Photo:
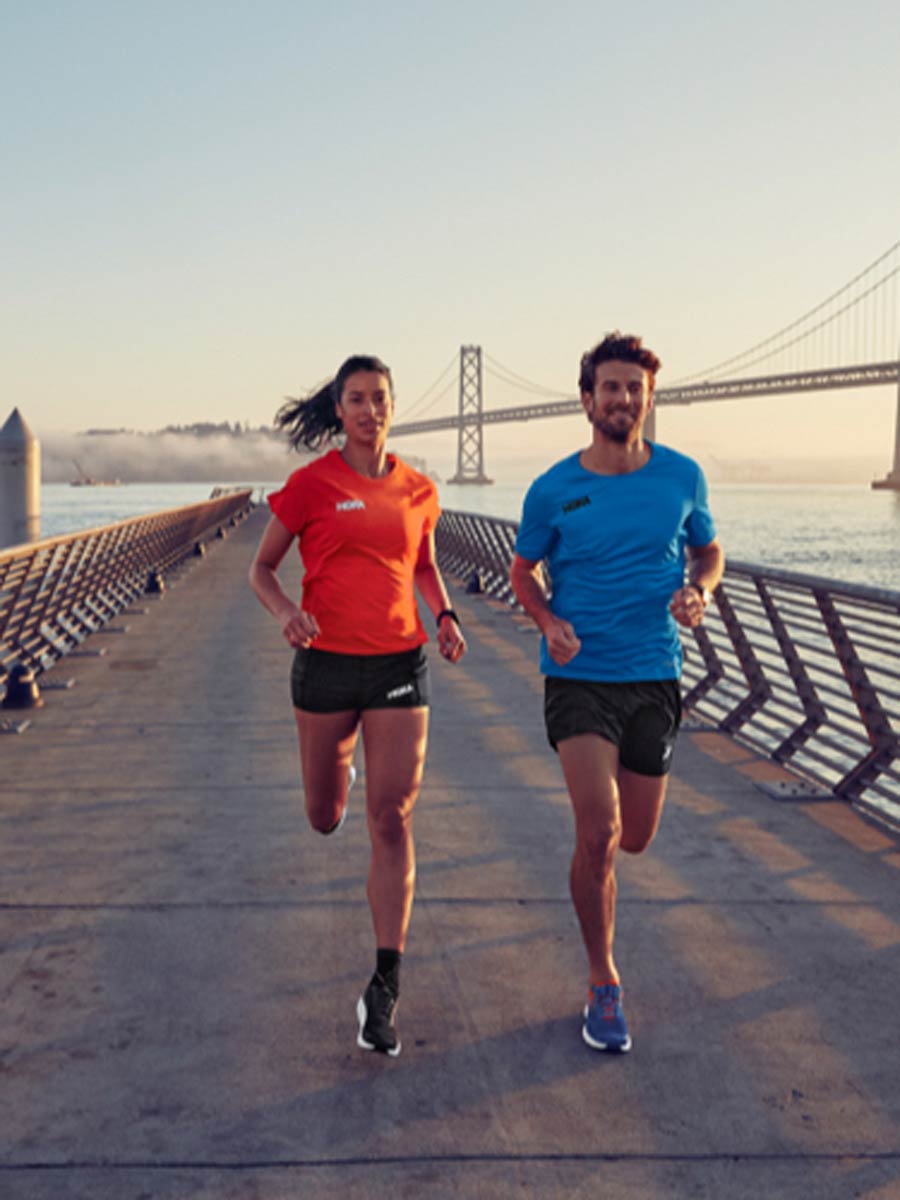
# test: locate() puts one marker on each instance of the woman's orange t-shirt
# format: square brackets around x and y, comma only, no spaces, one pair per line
[359,539]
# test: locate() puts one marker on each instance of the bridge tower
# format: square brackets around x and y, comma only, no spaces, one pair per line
[892,479]
[470,444]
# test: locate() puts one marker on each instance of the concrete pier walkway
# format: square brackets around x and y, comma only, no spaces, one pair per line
[180,955]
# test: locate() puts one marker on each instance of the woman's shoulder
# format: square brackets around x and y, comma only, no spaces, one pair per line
[321,467]
[411,477]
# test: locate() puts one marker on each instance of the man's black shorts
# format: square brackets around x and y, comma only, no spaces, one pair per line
[642,719]
[324,682]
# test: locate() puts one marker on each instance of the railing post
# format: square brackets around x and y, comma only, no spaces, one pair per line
[714,669]
[759,689]
[22,689]
[813,709]
[883,740]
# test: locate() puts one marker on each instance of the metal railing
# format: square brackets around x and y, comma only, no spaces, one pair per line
[55,593]
[803,669]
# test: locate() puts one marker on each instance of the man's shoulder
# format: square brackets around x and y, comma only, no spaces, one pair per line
[674,460]
[559,474]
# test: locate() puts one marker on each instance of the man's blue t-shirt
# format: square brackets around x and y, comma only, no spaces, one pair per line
[616,550]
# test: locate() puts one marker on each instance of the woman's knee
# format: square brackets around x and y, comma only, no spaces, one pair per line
[391,823]
[323,817]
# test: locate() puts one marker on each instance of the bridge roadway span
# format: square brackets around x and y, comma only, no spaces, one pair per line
[180,955]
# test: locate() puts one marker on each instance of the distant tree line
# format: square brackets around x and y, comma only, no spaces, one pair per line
[201,429]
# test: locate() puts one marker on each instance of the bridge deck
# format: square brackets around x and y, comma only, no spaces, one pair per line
[180,955]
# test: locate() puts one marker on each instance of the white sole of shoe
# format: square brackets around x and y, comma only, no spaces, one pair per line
[362,1014]
[613,1048]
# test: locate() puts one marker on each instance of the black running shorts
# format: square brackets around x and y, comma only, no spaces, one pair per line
[642,719]
[324,682]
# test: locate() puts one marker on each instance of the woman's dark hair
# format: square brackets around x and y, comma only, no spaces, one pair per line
[313,420]
[618,347]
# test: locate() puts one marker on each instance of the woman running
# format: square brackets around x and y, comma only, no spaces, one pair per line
[365,525]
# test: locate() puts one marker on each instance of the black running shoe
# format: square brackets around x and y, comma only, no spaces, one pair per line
[375,1010]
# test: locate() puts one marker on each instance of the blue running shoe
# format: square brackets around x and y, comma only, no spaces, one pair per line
[604,1021]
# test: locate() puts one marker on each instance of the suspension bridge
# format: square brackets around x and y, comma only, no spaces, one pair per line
[851,339]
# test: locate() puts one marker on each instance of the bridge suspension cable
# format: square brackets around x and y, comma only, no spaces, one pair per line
[507,375]
[451,366]
[851,340]
[871,333]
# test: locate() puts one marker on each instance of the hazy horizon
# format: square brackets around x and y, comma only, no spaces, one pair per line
[201,224]
[178,457]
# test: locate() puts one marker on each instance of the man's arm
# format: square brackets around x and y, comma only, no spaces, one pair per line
[527,580]
[706,565]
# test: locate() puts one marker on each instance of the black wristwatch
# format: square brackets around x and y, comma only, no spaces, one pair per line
[704,593]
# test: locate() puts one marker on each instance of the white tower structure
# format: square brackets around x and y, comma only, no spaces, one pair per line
[20,483]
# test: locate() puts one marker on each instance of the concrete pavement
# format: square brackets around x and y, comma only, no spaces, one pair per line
[180,955]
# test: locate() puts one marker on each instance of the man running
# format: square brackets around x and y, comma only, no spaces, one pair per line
[618,523]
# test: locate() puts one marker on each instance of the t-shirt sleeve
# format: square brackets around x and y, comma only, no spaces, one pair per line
[536,534]
[432,511]
[290,504]
[701,528]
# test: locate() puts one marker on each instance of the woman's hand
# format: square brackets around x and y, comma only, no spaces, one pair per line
[451,642]
[300,629]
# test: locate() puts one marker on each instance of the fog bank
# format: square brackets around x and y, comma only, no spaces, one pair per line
[167,457]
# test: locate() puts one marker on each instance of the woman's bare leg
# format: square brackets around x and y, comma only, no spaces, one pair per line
[326,750]
[395,740]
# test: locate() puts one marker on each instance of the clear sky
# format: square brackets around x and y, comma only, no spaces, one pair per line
[208,204]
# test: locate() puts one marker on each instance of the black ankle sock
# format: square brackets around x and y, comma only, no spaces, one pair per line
[388,967]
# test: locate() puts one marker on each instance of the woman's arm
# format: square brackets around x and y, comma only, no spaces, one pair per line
[298,627]
[430,584]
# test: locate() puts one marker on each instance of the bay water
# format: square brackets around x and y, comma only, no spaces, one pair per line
[837,531]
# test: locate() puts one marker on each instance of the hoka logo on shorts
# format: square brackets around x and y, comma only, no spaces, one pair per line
[397,692]
[346,505]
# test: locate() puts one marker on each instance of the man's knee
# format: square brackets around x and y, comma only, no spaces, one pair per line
[636,841]
[599,841]
[639,829]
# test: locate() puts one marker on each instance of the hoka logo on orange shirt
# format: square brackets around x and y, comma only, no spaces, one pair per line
[345,505]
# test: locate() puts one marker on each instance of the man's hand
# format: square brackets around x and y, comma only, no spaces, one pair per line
[687,606]
[562,641]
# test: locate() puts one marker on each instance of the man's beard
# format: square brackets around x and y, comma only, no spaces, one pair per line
[615,432]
